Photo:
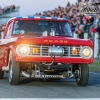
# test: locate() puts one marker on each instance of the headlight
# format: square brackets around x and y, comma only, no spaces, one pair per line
[86,52]
[23,50]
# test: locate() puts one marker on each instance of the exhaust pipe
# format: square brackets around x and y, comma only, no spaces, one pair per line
[25,74]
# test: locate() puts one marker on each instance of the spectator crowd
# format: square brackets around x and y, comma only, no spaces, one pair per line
[6,9]
[79,21]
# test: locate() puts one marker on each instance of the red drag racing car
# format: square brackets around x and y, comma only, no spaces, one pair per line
[43,47]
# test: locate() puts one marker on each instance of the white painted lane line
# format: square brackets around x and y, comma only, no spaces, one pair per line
[67,99]
[95,73]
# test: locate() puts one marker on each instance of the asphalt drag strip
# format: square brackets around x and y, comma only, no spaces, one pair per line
[39,88]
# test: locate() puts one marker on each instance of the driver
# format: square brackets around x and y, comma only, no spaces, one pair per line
[55,29]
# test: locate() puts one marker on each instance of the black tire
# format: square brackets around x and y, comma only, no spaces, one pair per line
[1,74]
[82,78]
[14,72]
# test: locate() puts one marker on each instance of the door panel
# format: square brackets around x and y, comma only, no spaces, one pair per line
[4,47]
[3,57]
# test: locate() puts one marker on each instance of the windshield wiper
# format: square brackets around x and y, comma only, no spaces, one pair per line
[62,35]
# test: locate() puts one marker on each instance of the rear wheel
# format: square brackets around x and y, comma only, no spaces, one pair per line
[1,74]
[82,74]
[14,72]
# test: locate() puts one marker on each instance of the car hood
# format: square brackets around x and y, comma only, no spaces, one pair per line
[52,40]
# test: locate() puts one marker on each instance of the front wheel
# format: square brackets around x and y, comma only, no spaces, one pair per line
[14,72]
[82,74]
[1,74]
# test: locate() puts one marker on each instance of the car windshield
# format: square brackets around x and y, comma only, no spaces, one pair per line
[39,27]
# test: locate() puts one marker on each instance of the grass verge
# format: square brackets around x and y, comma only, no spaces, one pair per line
[95,67]
[96,63]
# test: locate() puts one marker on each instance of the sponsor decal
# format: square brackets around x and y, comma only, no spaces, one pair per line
[89,10]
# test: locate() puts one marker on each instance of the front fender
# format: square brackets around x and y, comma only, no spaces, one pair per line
[12,52]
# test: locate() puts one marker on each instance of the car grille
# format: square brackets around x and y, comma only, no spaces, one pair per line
[43,50]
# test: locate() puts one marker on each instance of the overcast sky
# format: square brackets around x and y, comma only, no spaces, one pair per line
[30,7]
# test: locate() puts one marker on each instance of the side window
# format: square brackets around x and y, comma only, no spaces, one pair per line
[9,30]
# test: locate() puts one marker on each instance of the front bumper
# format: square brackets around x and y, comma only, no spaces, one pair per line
[56,60]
